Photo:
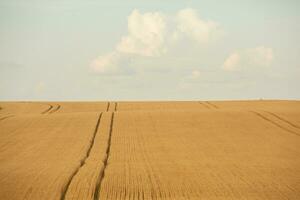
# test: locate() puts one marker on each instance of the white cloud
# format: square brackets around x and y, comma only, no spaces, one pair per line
[260,56]
[109,63]
[146,34]
[232,62]
[150,34]
[190,24]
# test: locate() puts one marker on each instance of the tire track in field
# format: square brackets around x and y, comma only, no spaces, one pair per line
[102,172]
[82,161]
[212,105]
[206,106]
[55,109]
[3,118]
[274,123]
[284,120]
[47,110]
[116,106]
[108,105]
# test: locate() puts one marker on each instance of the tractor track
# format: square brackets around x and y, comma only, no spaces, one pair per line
[82,161]
[116,106]
[47,110]
[274,123]
[3,118]
[108,105]
[212,105]
[284,120]
[102,172]
[206,106]
[55,109]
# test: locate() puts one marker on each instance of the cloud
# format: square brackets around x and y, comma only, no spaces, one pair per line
[111,63]
[260,56]
[146,34]
[190,24]
[232,62]
[151,34]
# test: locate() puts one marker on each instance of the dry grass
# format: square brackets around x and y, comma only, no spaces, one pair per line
[150,150]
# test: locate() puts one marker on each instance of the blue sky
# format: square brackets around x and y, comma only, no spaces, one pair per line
[149,50]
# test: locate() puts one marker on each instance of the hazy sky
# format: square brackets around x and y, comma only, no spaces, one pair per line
[149,50]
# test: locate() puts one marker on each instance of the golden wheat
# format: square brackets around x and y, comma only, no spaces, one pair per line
[150,150]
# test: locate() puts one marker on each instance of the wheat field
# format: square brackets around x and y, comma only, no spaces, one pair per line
[150,150]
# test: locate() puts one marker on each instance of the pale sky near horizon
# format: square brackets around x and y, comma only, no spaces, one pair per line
[149,50]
